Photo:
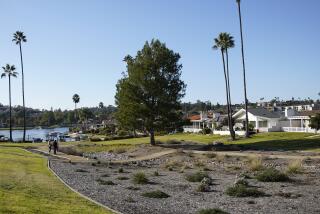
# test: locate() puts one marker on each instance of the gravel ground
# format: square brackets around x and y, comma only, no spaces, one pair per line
[184,199]
[106,156]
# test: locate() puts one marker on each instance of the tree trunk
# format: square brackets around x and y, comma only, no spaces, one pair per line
[152,140]
[244,73]
[10,120]
[226,83]
[23,100]
[233,137]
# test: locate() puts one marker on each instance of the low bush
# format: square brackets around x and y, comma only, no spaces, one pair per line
[95,139]
[295,167]
[272,175]
[122,178]
[240,190]
[173,141]
[103,182]
[133,188]
[212,211]
[81,170]
[255,164]
[211,155]
[120,170]
[120,150]
[70,150]
[197,176]
[156,173]
[140,178]
[155,194]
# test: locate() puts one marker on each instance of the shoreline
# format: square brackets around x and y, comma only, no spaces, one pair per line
[30,128]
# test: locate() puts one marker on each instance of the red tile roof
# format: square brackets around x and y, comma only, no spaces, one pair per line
[194,117]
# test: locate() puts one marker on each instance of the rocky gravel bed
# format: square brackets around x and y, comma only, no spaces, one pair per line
[301,195]
[108,156]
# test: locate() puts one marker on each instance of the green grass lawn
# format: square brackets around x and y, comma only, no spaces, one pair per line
[27,186]
[263,141]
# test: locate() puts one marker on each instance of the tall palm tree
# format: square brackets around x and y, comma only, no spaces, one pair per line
[18,38]
[244,71]
[76,99]
[9,71]
[229,43]
[223,42]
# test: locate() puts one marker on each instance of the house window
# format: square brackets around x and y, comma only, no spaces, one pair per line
[263,124]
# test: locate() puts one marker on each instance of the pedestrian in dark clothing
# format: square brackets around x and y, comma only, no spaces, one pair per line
[50,145]
[55,146]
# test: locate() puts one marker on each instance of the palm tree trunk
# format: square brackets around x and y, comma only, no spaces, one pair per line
[10,120]
[23,100]
[244,73]
[229,94]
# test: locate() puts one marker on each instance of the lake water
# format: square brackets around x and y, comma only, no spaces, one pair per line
[32,133]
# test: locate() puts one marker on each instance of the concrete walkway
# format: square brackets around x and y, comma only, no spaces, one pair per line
[44,150]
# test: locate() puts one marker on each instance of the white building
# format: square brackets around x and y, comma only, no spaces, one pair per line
[261,119]
[265,121]
[201,121]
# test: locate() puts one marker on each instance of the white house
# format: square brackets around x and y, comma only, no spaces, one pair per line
[267,121]
[261,119]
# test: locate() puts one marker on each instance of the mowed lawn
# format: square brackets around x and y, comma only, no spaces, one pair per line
[263,141]
[27,186]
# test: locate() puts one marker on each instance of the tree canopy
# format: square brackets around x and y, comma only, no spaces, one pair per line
[315,122]
[149,93]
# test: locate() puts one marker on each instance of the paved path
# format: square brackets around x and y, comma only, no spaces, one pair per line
[73,158]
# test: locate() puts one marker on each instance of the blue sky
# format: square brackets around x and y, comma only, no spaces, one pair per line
[77,46]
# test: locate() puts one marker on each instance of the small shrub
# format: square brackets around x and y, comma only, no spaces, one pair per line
[105,175]
[156,173]
[211,155]
[155,194]
[244,175]
[123,178]
[205,168]
[119,150]
[120,170]
[140,178]
[172,164]
[255,164]
[95,139]
[212,211]
[170,168]
[93,164]
[294,167]
[204,186]
[81,170]
[199,164]
[272,175]
[133,188]
[130,200]
[241,181]
[173,141]
[103,182]
[196,177]
[240,190]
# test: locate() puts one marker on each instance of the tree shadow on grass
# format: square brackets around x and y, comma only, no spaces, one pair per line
[283,145]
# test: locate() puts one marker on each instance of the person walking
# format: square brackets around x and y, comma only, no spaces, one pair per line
[49,145]
[55,147]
